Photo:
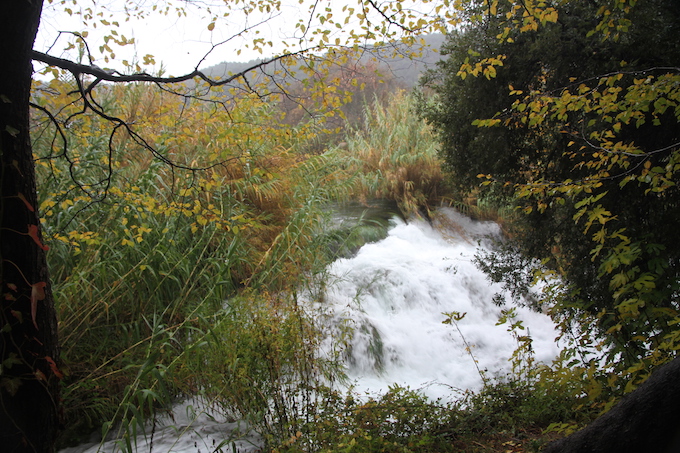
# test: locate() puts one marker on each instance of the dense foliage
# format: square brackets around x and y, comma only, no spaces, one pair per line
[173,282]
[569,112]
[184,222]
[144,255]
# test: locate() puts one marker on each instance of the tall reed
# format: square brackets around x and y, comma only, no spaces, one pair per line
[396,156]
[144,255]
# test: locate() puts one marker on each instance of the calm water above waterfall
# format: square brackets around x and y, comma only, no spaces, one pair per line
[393,293]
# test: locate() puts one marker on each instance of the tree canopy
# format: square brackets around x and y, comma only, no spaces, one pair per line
[572,117]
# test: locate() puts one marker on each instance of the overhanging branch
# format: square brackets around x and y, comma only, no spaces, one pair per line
[111,76]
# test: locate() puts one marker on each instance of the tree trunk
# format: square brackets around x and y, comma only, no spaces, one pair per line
[29,378]
[646,420]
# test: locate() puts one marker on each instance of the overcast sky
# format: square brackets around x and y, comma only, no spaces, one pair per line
[180,44]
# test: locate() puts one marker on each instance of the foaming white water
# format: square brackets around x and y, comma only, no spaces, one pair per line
[189,429]
[394,293]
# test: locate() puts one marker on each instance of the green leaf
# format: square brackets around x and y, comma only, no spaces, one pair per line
[11,385]
[12,131]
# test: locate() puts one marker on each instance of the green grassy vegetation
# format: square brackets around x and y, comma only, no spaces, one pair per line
[174,283]
[146,257]
[511,414]
[396,157]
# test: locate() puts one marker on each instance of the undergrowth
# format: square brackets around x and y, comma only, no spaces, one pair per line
[506,415]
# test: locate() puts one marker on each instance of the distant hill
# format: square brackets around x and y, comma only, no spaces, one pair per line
[404,70]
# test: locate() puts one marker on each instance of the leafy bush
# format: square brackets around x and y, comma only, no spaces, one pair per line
[401,420]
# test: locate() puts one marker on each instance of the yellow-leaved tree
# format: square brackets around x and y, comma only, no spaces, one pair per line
[74,107]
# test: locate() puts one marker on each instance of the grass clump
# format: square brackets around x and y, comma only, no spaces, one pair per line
[395,156]
[400,420]
[270,370]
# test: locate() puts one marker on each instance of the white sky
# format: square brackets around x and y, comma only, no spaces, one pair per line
[180,44]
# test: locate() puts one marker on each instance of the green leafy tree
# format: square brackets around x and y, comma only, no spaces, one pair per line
[569,110]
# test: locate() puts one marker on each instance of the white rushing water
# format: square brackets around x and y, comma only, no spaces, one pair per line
[187,430]
[393,293]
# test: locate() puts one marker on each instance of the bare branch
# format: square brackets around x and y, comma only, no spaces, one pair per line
[388,19]
[78,69]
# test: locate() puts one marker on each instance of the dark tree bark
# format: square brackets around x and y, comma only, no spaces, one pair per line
[29,378]
[646,420]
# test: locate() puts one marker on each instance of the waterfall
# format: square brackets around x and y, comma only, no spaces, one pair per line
[394,293]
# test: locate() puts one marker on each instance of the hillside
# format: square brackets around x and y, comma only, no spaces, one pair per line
[390,61]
